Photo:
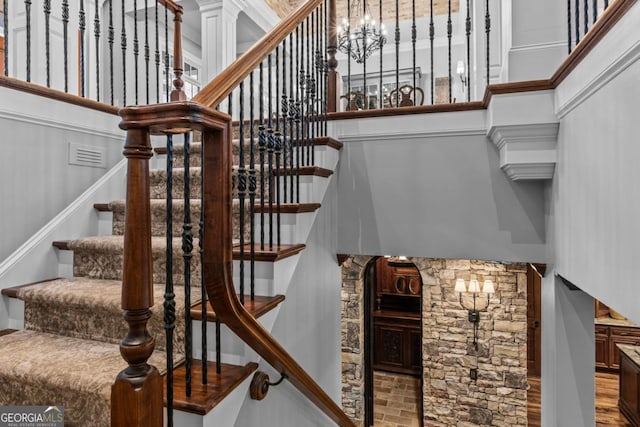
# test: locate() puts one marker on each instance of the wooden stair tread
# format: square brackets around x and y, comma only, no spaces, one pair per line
[308,171]
[12,292]
[205,397]
[270,255]
[4,332]
[289,207]
[258,307]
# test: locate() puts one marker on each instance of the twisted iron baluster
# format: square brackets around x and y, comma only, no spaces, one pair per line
[270,148]
[380,85]
[277,147]
[111,38]
[147,50]
[82,26]
[309,82]
[577,19]
[397,36]
[169,295]
[285,111]
[569,26]
[5,10]
[487,26]
[302,81]
[468,33]
[606,4]
[325,65]
[586,16]
[595,10]
[242,189]
[136,49]
[298,112]
[449,35]
[96,33]
[252,187]
[47,40]
[65,39]
[187,249]
[166,54]
[292,116]
[348,56]
[432,35]
[27,9]
[123,48]
[262,145]
[157,55]
[414,35]
[203,289]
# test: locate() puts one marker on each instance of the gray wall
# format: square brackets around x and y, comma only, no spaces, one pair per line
[438,194]
[37,179]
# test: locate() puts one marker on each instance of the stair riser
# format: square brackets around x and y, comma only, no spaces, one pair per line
[97,264]
[159,186]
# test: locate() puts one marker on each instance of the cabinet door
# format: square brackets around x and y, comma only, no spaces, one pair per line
[389,346]
[614,353]
[415,350]
[602,351]
[629,388]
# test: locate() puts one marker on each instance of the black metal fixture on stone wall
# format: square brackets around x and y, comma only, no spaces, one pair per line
[474,309]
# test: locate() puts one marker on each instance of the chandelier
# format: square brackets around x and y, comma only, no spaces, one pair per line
[358,36]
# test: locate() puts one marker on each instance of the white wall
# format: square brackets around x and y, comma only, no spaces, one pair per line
[595,198]
[431,186]
[38,181]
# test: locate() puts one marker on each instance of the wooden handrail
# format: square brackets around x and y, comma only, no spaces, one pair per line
[171,5]
[220,87]
[217,240]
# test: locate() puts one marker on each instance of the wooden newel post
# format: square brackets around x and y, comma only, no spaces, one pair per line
[332,48]
[177,94]
[136,396]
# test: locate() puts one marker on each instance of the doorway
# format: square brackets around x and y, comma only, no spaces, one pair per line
[393,342]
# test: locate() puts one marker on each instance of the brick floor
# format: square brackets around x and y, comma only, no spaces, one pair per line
[396,400]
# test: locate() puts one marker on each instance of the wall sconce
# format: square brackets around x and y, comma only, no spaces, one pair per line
[461,71]
[474,310]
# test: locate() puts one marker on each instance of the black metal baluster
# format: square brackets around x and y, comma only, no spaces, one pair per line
[325,66]
[203,289]
[348,26]
[298,112]
[414,36]
[96,33]
[47,16]
[157,55]
[252,187]
[123,48]
[317,59]
[487,27]
[308,88]
[586,16]
[577,19]
[285,111]
[380,85]
[262,146]
[302,81]
[277,149]
[468,33]
[187,249]
[147,52]
[111,38]
[397,39]
[365,91]
[606,4]
[169,295]
[292,116]
[27,10]
[65,40]
[242,188]
[82,26]
[5,11]
[166,54]
[270,148]
[595,10]
[449,35]
[569,25]
[432,35]
[136,49]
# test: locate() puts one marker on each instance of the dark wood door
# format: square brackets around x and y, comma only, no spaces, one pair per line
[534,284]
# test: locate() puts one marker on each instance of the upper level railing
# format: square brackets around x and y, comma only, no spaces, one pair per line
[117,51]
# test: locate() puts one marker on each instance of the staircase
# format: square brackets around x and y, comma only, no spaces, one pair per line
[68,352]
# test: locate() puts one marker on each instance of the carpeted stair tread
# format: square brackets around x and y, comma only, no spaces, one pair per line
[91,309]
[158,217]
[38,369]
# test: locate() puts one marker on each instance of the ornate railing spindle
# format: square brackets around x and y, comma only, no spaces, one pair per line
[187,249]
[414,36]
[242,189]
[487,28]
[432,34]
[569,25]
[47,15]
[27,10]
[169,295]
[285,111]
[278,151]
[82,26]
[449,35]
[270,148]
[123,48]
[96,34]
[397,40]
[147,51]
[136,49]
[468,65]
[262,146]
[110,39]
[253,183]
[157,54]
[5,11]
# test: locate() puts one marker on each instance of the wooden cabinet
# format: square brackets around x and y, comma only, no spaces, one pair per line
[606,340]
[397,318]
[629,402]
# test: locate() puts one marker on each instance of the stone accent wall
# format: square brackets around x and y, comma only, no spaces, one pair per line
[498,397]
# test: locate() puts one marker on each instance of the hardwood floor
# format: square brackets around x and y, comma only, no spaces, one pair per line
[607,413]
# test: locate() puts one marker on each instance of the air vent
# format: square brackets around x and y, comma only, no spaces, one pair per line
[87,156]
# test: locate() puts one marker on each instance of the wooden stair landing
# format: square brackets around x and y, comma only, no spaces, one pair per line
[205,397]
[260,306]
[267,254]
